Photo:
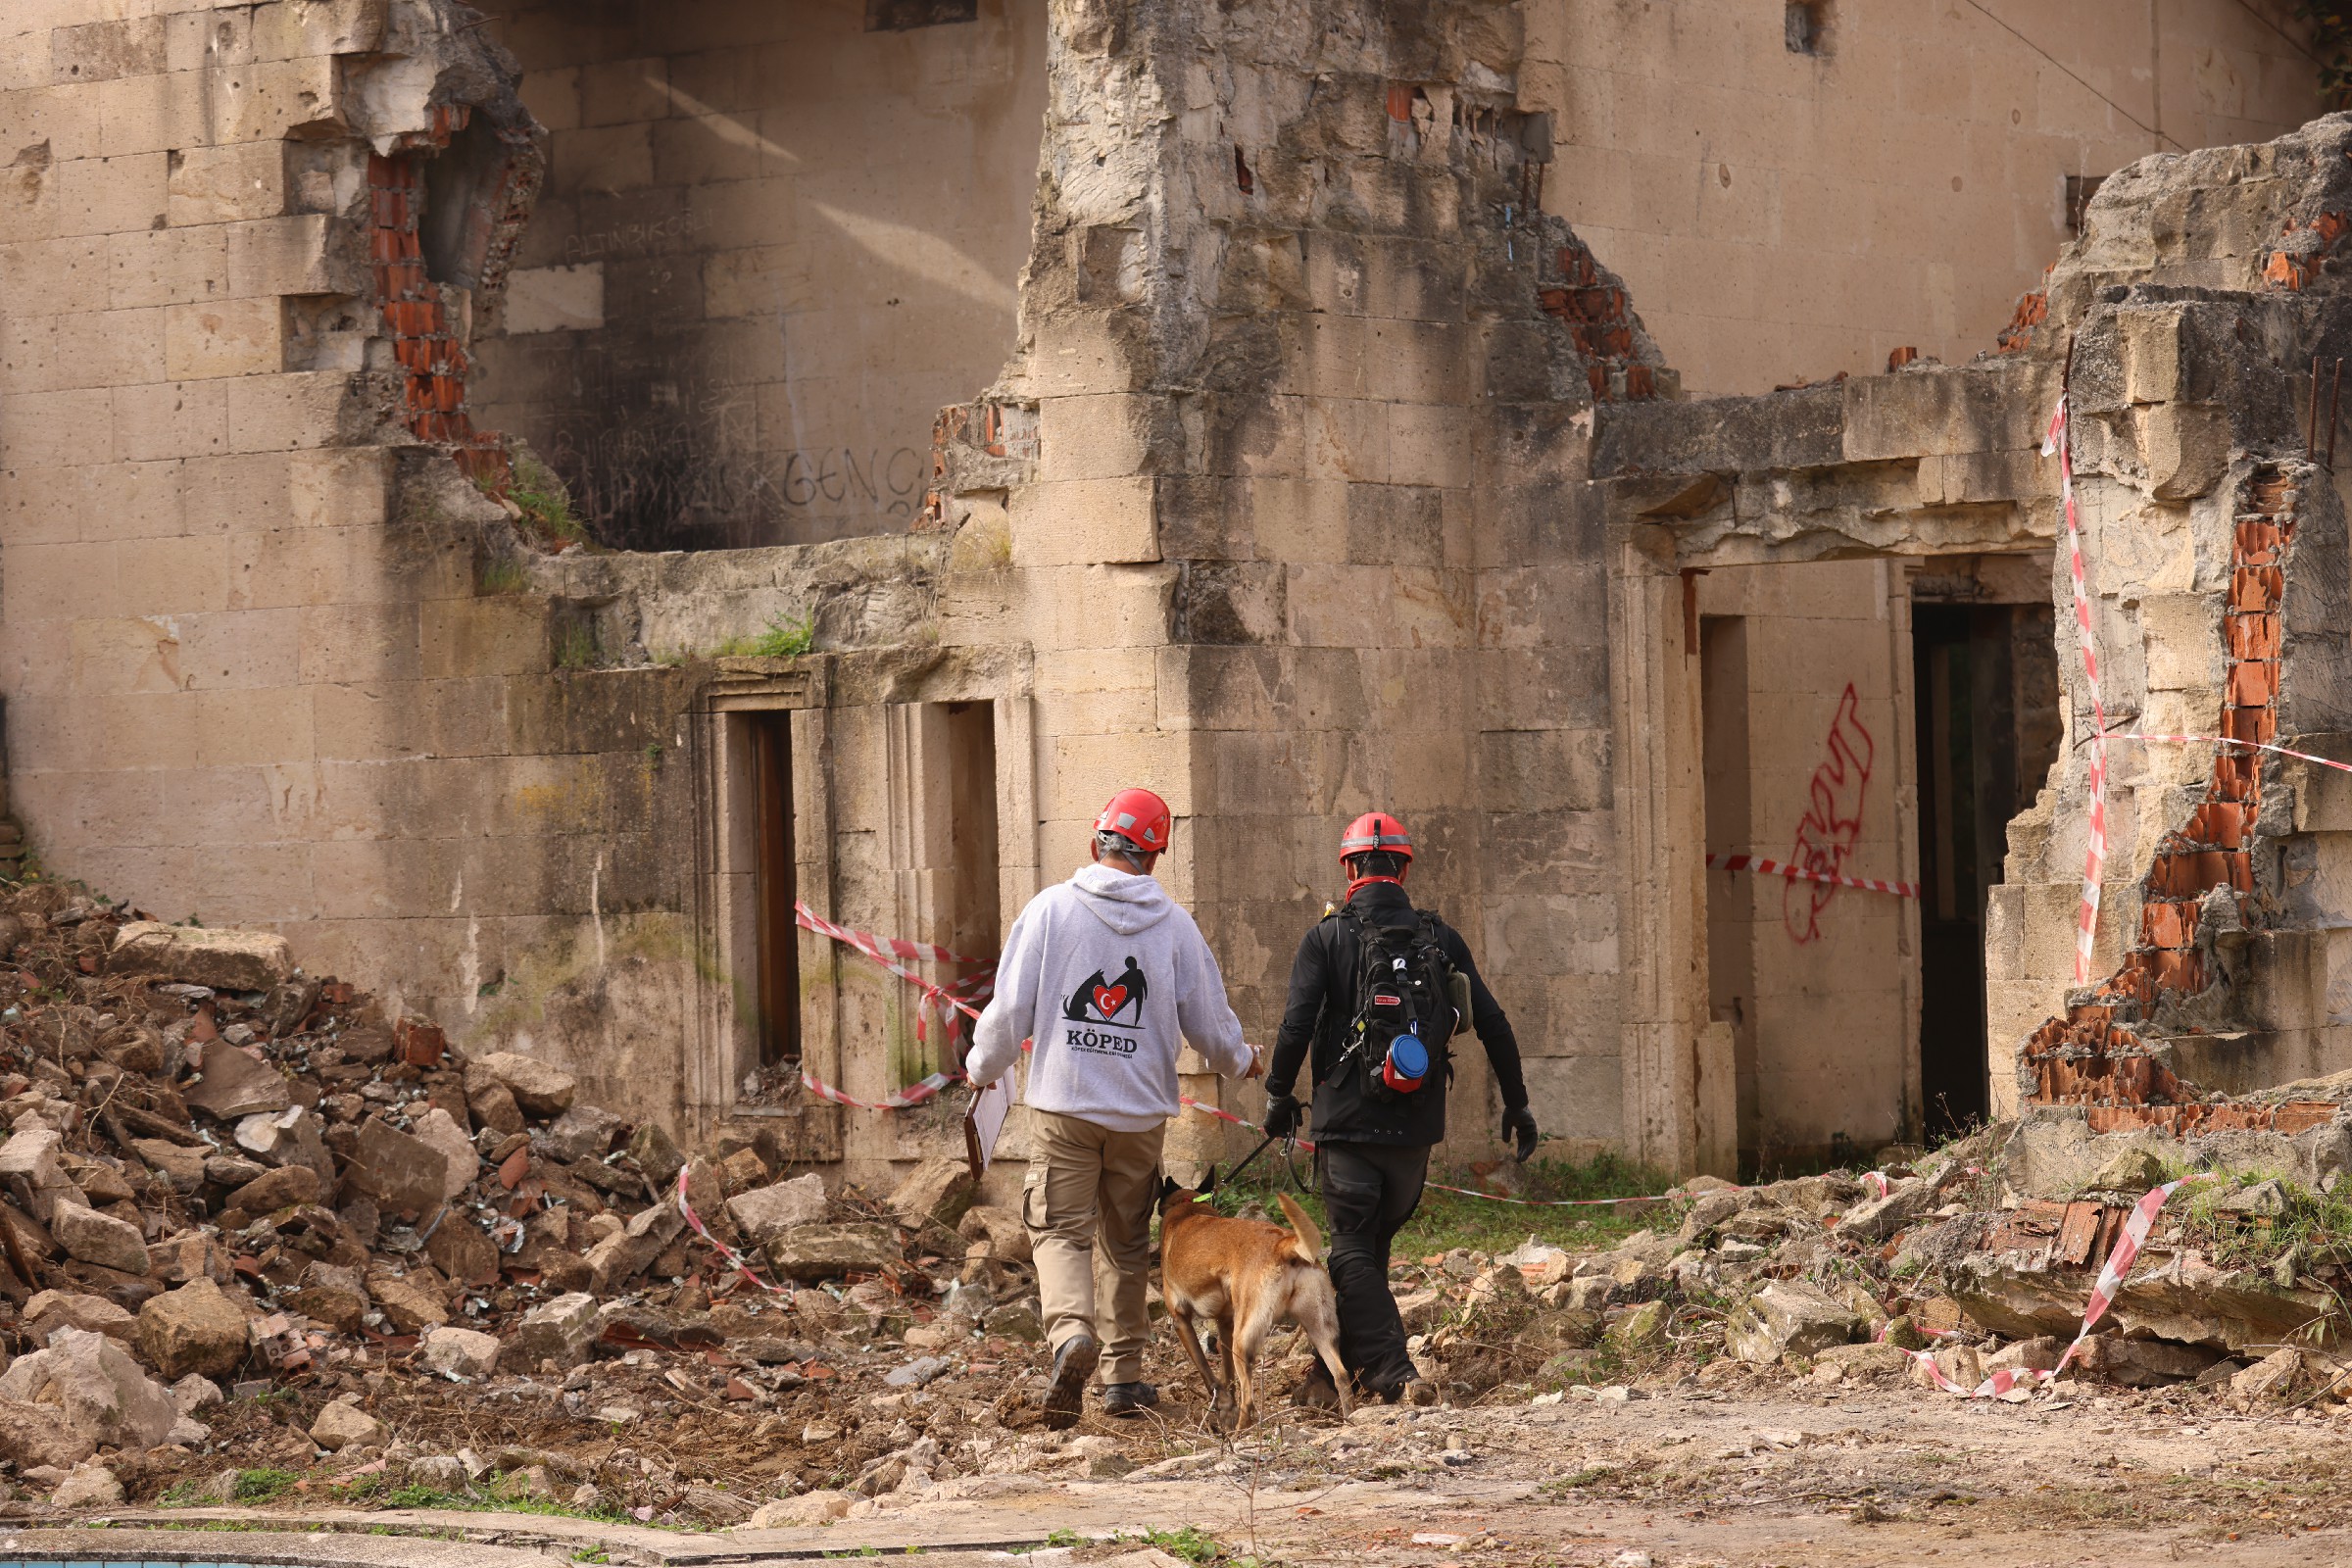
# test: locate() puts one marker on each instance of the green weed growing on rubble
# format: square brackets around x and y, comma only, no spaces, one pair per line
[2312,1228]
[546,505]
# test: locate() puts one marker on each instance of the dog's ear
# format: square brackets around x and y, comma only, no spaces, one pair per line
[1167,1189]
[1208,1184]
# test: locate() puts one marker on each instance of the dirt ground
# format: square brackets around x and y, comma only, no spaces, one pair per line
[1759,1471]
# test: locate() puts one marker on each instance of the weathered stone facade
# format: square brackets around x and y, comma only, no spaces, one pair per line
[1327,467]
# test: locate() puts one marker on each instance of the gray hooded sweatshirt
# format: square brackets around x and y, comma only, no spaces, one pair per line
[1105,972]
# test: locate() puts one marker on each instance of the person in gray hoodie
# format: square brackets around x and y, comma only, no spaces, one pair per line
[1107,976]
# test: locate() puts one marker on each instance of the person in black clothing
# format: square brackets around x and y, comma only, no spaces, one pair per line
[1372,1153]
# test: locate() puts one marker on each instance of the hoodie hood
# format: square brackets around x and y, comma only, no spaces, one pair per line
[1121,900]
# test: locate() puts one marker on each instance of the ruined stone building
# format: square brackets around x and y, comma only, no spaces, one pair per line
[1343,404]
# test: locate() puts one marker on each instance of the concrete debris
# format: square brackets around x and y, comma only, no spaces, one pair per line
[100,1240]
[90,1485]
[196,1330]
[461,1352]
[1788,1318]
[821,1251]
[937,1192]
[766,1212]
[537,1089]
[344,1425]
[198,956]
[102,1395]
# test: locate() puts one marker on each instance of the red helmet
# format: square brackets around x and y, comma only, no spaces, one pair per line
[1139,818]
[1375,830]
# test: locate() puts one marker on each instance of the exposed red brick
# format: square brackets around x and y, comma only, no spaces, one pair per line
[2254,636]
[1902,357]
[2166,924]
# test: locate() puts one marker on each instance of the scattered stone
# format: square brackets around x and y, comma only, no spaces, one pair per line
[807,1509]
[1881,1217]
[767,1212]
[223,958]
[463,1250]
[407,1304]
[1007,1237]
[283,1188]
[234,1084]
[1788,1317]
[440,1472]
[937,1191]
[628,1252]
[103,1397]
[33,1173]
[584,1132]
[330,1294]
[2129,1171]
[461,1352]
[440,1130]
[541,1090]
[401,1173]
[915,1373]
[344,1425]
[821,1252]
[559,1331]
[2142,1363]
[195,1328]
[195,1392]
[90,1485]
[1640,1329]
[2278,1379]
[56,1309]
[657,1155]
[89,1237]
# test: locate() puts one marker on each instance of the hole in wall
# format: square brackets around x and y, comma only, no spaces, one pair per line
[1806,25]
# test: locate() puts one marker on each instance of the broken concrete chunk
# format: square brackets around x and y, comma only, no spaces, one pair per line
[30,1168]
[34,1435]
[809,1508]
[90,1237]
[182,1166]
[1881,1217]
[344,1425]
[406,1303]
[440,1129]
[2038,1354]
[657,1155]
[2129,1171]
[539,1089]
[936,1192]
[628,1253]
[2280,1378]
[461,1352]
[463,1250]
[823,1252]
[106,1399]
[198,956]
[492,1106]
[402,1173]
[195,1392]
[1007,1237]
[282,1188]
[766,1212]
[559,1331]
[1788,1318]
[584,1132]
[330,1294]
[90,1485]
[196,1328]
[189,1256]
[52,1310]
[234,1084]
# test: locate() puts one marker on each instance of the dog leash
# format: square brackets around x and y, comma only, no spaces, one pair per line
[1263,1144]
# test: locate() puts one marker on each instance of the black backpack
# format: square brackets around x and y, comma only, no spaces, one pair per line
[1403,983]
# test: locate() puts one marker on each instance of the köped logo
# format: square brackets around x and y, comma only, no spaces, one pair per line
[1100,1001]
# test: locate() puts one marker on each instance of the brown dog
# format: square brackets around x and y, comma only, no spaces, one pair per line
[1245,1275]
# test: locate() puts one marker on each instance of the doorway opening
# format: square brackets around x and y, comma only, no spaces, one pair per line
[1984,684]
[775,892]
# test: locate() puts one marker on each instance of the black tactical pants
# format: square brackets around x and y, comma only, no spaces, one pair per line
[1369,1192]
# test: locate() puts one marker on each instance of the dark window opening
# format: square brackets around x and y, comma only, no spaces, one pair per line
[899,15]
[775,890]
[972,918]
[1984,696]
[1804,26]
[2080,189]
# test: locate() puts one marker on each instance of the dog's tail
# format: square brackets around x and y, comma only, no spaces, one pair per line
[1301,1227]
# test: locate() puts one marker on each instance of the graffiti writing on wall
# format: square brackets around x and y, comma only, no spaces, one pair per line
[1833,820]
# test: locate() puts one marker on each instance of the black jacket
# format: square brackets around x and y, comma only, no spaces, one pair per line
[1323,1004]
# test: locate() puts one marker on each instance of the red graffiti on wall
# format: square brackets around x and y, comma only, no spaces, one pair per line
[1833,820]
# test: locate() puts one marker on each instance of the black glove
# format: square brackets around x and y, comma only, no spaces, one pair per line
[1520,1122]
[1283,1116]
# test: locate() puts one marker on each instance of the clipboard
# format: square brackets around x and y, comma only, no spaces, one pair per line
[984,1123]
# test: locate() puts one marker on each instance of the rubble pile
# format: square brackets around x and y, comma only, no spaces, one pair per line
[224,1178]
[2239,1287]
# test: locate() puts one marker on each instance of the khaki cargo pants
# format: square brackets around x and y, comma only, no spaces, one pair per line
[1087,1203]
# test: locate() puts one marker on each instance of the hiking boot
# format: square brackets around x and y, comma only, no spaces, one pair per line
[1318,1392]
[1065,1389]
[1129,1398]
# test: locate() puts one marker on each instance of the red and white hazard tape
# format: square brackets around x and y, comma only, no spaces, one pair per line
[905,1100]
[947,999]
[2224,740]
[2094,855]
[1798,873]
[733,1257]
[2102,1296]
